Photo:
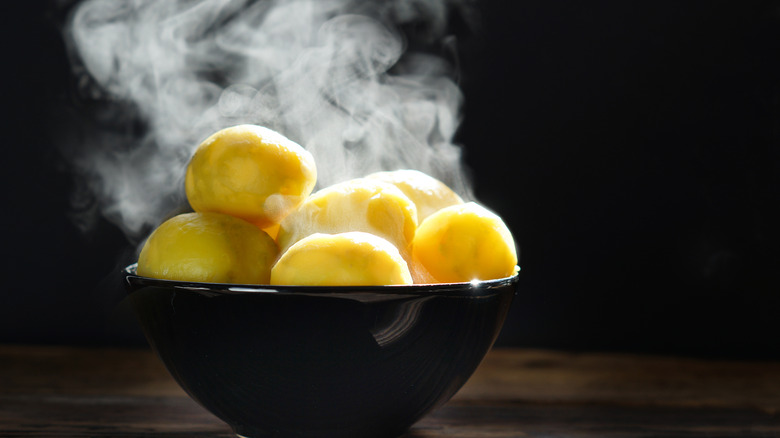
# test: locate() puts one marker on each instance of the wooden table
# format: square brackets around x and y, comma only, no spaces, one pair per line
[48,391]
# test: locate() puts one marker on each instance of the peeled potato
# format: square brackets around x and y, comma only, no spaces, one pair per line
[208,247]
[428,193]
[250,172]
[360,204]
[345,259]
[463,243]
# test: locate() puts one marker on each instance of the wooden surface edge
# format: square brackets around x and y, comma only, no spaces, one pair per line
[505,375]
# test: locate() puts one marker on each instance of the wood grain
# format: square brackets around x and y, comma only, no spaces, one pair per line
[534,376]
[48,391]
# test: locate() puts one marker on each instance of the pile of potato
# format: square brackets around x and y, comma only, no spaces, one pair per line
[256,221]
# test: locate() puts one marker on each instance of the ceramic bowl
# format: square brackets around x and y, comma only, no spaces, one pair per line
[357,361]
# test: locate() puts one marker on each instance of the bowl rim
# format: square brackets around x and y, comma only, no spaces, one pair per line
[476,288]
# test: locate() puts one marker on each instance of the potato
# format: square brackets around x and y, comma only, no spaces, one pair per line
[250,172]
[208,247]
[345,259]
[463,243]
[359,204]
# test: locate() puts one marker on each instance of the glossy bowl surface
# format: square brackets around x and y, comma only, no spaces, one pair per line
[320,361]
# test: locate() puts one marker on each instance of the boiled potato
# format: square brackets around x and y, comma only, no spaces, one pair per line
[208,247]
[250,172]
[465,242]
[359,204]
[345,259]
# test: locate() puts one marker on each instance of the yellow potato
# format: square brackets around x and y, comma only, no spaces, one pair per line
[360,204]
[250,172]
[428,193]
[208,247]
[465,242]
[345,259]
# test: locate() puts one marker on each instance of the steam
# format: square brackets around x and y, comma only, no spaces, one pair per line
[332,75]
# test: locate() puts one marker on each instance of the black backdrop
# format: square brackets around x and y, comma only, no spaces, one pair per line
[632,148]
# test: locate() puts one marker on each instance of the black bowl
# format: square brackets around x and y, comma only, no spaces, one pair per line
[320,361]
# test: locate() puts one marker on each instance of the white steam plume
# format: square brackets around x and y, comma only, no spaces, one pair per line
[330,74]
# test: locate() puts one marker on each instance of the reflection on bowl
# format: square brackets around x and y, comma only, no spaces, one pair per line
[320,361]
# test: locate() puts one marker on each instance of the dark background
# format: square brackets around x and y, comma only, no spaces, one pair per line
[632,148]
